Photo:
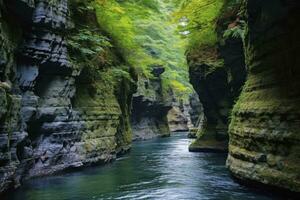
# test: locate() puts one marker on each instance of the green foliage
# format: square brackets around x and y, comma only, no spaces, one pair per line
[90,49]
[202,16]
[87,44]
[143,32]
[208,24]
[232,17]
[235,32]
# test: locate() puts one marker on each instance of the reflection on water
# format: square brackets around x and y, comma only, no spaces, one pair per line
[157,169]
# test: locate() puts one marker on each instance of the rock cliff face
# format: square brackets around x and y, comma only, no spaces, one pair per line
[12,131]
[218,84]
[184,115]
[52,117]
[264,131]
[150,109]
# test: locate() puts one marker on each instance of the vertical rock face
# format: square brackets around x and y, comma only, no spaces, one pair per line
[177,119]
[264,131]
[51,116]
[213,91]
[150,109]
[44,75]
[196,109]
[218,84]
[184,115]
[12,130]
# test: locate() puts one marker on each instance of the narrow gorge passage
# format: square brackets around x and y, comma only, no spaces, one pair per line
[107,99]
[159,169]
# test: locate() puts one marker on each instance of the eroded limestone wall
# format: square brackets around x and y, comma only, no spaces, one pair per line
[218,84]
[150,109]
[52,117]
[264,132]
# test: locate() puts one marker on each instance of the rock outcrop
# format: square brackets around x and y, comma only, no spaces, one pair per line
[53,115]
[12,131]
[184,114]
[149,108]
[264,130]
[218,82]
[178,121]
[196,111]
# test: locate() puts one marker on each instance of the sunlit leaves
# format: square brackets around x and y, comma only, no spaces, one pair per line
[87,44]
[202,16]
[144,33]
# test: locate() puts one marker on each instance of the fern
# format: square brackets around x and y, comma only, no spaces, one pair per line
[88,44]
[237,31]
[202,16]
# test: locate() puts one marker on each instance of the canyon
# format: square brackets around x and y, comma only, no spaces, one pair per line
[81,80]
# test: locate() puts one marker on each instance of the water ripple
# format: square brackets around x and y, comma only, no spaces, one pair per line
[160,169]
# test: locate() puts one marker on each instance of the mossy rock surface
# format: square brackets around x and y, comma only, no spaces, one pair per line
[264,128]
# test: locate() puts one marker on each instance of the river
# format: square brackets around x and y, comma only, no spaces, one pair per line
[159,169]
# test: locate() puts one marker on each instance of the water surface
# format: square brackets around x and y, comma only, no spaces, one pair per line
[160,169]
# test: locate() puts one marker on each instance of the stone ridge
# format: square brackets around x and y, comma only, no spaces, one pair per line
[264,131]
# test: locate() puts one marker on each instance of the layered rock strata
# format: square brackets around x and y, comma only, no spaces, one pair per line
[218,84]
[184,114]
[52,117]
[264,130]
